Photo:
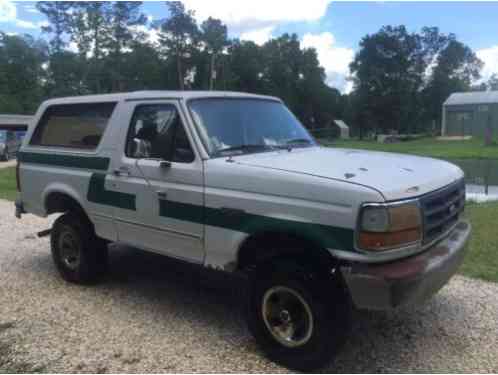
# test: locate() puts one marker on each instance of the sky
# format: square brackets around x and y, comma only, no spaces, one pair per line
[333,28]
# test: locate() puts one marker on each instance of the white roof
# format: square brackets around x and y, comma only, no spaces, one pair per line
[14,119]
[478,97]
[144,95]
[341,124]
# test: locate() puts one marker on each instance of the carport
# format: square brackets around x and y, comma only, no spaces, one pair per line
[14,122]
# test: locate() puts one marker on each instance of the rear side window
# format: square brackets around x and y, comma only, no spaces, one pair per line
[73,125]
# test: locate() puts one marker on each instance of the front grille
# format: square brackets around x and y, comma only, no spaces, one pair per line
[441,210]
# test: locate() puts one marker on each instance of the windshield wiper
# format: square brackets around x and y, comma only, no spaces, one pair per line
[298,141]
[295,143]
[244,148]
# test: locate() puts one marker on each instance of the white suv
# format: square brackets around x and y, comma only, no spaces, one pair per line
[234,182]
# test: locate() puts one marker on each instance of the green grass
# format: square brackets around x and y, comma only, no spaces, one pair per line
[482,257]
[473,148]
[8,183]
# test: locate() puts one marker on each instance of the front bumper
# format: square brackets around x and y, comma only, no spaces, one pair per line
[409,280]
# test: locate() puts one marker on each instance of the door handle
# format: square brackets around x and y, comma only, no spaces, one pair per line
[121,172]
[161,194]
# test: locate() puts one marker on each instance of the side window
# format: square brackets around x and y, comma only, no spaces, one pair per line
[73,125]
[156,131]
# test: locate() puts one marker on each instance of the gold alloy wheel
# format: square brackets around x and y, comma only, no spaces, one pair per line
[287,316]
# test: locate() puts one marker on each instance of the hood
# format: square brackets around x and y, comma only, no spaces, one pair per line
[395,176]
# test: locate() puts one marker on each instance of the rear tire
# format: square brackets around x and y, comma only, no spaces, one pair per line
[307,323]
[79,255]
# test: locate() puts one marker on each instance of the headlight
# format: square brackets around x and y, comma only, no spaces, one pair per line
[390,226]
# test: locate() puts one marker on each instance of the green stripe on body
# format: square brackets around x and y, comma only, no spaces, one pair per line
[324,235]
[71,161]
[98,194]
[241,221]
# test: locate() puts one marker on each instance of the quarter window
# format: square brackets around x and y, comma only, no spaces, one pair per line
[73,125]
[156,131]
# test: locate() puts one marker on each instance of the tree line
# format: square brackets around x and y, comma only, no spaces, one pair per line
[400,78]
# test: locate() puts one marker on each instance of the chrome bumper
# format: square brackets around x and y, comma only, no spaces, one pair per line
[409,280]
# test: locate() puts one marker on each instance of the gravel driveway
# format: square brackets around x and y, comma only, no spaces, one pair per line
[152,315]
[7,164]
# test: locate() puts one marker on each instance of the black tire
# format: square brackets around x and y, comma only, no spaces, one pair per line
[88,259]
[329,304]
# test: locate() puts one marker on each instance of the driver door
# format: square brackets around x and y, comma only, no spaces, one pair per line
[161,168]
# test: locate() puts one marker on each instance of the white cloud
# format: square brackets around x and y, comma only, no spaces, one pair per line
[25,24]
[335,60]
[151,34]
[490,58]
[258,36]
[256,13]
[8,11]
[256,19]
[31,9]
[73,47]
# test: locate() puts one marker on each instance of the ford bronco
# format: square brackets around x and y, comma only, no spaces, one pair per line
[234,182]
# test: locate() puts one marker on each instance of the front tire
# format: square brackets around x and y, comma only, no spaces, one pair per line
[79,255]
[299,317]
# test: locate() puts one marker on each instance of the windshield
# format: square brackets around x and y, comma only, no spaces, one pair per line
[238,126]
[2,136]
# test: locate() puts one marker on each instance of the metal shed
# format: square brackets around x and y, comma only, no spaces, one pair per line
[343,128]
[470,113]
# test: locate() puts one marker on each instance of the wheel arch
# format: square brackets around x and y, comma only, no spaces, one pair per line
[266,246]
[60,198]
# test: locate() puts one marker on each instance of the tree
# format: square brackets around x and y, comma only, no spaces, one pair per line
[492,84]
[124,31]
[457,66]
[214,35]
[21,73]
[388,73]
[401,79]
[179,36]
[143,69]
[246,67]
[282,62]
[58,18]
[62,70]
[90,31]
